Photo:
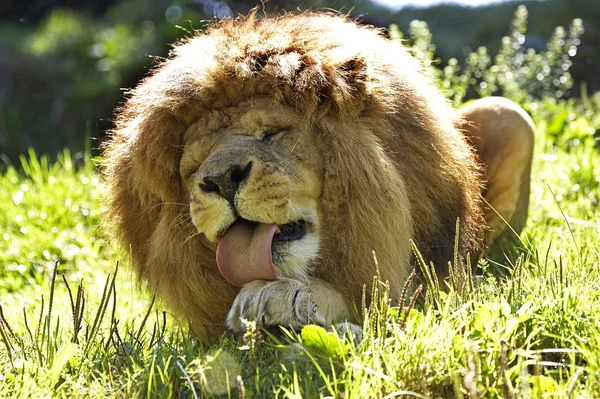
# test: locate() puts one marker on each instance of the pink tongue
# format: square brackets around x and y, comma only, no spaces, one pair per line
[244,253]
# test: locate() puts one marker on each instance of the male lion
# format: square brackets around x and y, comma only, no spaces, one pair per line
[253,174]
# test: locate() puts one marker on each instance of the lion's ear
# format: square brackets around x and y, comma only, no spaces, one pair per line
[354,73]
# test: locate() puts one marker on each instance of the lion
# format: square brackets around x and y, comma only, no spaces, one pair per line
[254,173]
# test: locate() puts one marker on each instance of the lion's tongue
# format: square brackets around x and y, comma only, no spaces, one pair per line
[244,253]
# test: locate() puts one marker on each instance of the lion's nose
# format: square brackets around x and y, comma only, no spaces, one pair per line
[227,183]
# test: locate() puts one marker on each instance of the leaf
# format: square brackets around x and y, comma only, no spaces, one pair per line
[393,312]
[512,324]
[542,384]
[505,307]
[525,311]
[326,343]
[557,124]
[485,318]
[61,359]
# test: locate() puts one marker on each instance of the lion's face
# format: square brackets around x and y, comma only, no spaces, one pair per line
[254,175]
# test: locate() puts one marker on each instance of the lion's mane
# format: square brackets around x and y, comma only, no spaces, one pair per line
[377,110]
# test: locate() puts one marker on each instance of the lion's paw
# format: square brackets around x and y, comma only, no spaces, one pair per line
[284,302]
[350,329]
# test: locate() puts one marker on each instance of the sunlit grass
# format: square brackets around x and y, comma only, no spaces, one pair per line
[532,333]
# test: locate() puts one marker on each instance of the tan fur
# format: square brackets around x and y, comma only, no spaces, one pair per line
[502,134]
[379,158]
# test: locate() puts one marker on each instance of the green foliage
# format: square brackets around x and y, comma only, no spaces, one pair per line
[460,29]
[538,81]
[67,73]
[102,53]
[64,76]
[517,72]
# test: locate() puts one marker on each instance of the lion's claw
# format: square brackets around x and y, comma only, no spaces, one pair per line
[282,302]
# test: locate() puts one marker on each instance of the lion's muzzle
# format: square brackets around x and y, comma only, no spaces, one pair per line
[226,169]
[226,183]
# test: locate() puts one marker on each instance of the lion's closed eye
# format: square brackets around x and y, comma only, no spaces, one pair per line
[271,134]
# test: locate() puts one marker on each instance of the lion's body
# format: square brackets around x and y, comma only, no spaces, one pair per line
[369,152]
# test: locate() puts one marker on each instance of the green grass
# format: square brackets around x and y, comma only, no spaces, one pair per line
[70,327]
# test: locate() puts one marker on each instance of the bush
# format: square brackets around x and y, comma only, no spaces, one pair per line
[538,81]
[60,81]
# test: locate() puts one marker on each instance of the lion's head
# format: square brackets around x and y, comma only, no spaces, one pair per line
[293,148]
[255,179]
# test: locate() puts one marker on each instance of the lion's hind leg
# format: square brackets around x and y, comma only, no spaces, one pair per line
[502,134]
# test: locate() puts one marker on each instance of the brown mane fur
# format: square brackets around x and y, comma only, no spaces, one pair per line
[376,111]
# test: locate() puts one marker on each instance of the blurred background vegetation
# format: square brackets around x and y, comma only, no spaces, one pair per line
[65,64]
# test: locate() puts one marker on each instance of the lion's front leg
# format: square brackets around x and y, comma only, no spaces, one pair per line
[287,302]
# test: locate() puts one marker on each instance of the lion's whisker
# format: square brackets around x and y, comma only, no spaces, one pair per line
[294,147]
[175,203]
[192,235]
[185,219]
